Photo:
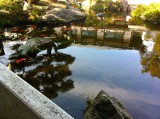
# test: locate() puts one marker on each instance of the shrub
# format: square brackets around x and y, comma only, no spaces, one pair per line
[91,20]
[154,6]
[35,13]
[107,6]
[149,13]
[12,14]
[138,12]
[99,7]
[136,21]
[152,15]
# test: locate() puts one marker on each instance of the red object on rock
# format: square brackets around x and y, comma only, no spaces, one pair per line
[15,29]
[18,29]
[43,35]
[68,28]
[20,60]
[21,31]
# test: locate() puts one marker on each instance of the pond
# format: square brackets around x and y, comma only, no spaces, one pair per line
[123,62]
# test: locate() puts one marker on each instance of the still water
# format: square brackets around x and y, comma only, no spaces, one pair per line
[128,69]
[116,71]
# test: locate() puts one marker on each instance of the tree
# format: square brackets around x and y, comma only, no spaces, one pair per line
[107,6]
[11,14]
[149,13]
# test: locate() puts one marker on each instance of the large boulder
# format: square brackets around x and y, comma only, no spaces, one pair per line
[63,15]
[34,45]
[105,107]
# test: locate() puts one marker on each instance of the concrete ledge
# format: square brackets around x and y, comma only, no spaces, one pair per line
[19,100]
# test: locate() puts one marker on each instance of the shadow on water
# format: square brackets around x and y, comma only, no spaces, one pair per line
[1,47]
[48,72]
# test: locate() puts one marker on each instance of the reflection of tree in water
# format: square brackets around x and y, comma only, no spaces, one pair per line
[151,60]
[136,40]
[1,47]
[47,73]
[151,63]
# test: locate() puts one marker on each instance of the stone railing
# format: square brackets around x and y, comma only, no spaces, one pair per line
[19,100]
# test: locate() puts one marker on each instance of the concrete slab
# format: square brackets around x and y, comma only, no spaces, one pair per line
[19,100]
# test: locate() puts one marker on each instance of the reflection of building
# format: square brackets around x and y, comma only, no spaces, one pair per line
[108,37]
[123,38]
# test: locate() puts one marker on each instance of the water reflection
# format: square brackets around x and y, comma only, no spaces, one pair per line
[49,74]
[1,48]
[120,38]
[150,58]
[147,42]
[112,69]
[44,69]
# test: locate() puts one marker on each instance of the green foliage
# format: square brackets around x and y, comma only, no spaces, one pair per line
[149,13]
[154,6]
[136,21]
[152,15]
[11,14]
[99,7]
[6,1]
[91,20]
[75,5]
[107,6]
[35,13]
[138,12]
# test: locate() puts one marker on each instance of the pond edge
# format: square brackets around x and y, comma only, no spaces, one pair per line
[18,99]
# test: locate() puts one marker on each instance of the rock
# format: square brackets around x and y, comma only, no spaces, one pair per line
[100,14]
[63,15]
[34,45]
[105,107]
